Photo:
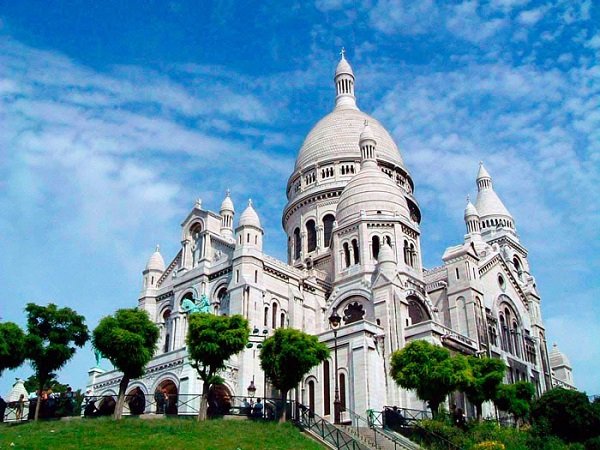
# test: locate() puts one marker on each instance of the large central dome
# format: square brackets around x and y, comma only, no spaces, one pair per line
[336,136]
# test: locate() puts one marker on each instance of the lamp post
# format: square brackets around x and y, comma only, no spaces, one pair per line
[257,338]
[335,321]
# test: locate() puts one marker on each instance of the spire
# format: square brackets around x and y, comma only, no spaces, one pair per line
[344,84]
[156,261]
[367,144]
[484,180]
[492,212]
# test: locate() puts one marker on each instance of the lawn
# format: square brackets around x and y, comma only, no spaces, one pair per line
[133,433]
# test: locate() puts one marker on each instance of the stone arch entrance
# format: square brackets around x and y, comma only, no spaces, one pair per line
[136,401]
[165,397]
[219,400]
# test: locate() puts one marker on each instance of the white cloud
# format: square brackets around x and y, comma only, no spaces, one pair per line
[530,17]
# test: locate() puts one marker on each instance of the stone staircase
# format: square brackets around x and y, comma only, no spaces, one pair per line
[378,439]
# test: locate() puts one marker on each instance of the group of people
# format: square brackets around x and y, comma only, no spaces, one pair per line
[251,408]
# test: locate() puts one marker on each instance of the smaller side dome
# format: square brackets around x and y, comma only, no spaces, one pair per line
[227,204]
[470,210]
[156,261]
[558,358]
[249,217]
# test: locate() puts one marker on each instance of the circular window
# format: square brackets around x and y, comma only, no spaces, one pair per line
[501,282]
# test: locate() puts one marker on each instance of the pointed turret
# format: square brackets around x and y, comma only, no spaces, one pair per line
[227,212]
[471,217]
[367,145]
[154,269]
[344,84]
[493,214]
[249,230]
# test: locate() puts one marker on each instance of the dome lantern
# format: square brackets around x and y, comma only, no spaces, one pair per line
[344,84]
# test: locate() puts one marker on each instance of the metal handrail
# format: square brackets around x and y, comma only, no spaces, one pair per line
[380,434]
[410,419]
[327,431]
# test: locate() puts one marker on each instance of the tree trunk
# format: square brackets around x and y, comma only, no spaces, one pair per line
[39,401]
[202,412]
[434,405]
[283,416]
[121,399]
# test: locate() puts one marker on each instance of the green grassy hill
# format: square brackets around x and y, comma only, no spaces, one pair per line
[165,434]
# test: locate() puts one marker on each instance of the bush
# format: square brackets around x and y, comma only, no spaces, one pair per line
[566,414]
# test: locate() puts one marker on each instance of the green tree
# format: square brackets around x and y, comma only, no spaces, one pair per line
[287,356]
[31,384]
[211,341]
[430,370]
[12,346]
[566,414]
[515,399]
[128,340]
[52,335]
[486,375]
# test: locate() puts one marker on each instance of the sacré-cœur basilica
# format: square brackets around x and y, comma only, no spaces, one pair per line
[353,225]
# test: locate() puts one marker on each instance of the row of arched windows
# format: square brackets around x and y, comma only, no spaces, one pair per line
[311,235]
[274,317]
[497,222]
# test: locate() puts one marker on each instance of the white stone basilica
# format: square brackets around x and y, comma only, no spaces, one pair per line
[353,230]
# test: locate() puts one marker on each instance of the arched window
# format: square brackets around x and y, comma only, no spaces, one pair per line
[416,311]
[503,333]
[282,322]
[326,389]
[327,229]
[311,235]
[413,255]
[516,334]
[274,317]
[311,395]
[346,255]
[355,249]
[297,243]
[266,321]
[375,246]
[406,252]
[343,390]
[166,321]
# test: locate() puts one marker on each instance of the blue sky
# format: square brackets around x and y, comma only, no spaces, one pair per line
[116,116]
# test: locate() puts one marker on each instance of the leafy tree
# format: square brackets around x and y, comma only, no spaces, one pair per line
[128,340]
[566,414]
[430,370]
[52,335]
[515,399]
[31,384]
[211,341]
[12,346]
[287,356]
[486,375]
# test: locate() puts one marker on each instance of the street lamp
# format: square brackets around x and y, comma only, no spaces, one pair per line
[251,389]
[334,321]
